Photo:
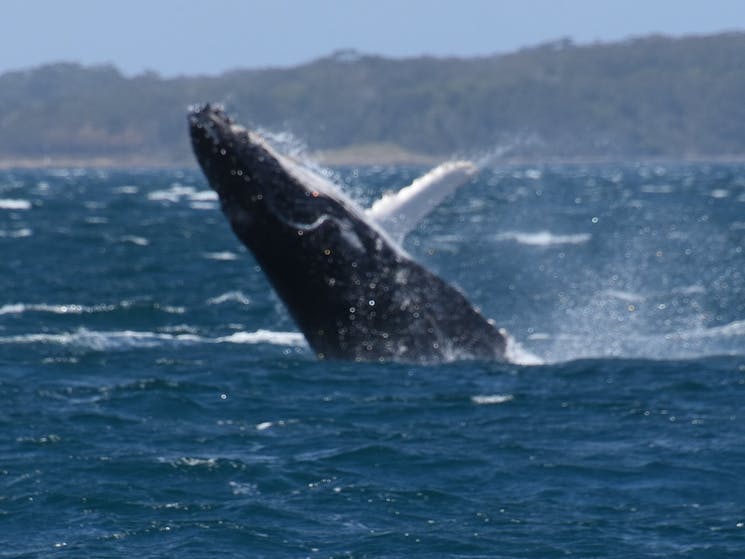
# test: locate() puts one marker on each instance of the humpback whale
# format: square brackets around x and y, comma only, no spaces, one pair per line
[352,291]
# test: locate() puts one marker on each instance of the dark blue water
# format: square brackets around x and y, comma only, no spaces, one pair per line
[157,400]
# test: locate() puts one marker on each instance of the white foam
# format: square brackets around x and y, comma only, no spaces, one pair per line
[128,339]
[173,194]
[17,308]
[656,188]
[139,241]
[264,336]
[203,206]
[16,234]
[264,425]
[97,341]
[171,309]
[177,192]
[14,204]
[203,196]
[225,255]
[543,238]
[20,308]
[492,399]
[195,462]
[127,189]
[230,296]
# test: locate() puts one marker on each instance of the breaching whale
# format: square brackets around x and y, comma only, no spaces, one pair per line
[352,291]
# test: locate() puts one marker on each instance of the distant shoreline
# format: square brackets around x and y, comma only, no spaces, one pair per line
[355,156]
[646,98]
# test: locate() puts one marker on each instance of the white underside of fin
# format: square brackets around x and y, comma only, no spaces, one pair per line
[396,213]
[399,212]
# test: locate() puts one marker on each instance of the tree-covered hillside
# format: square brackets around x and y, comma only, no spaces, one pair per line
[648,97]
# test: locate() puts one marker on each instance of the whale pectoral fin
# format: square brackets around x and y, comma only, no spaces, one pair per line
[399,212]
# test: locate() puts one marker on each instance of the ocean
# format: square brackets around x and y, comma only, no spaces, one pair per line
[157,400]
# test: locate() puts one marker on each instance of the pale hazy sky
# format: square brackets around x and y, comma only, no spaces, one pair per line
[207,37]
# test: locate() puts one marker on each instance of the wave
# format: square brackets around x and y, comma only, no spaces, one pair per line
[135,240]
[203,206]
[719,193]
[178,192]
[492,399]
[264,336]
[127,189]
[130,339]
[98,341]
[543,238]
[230,296]
[21,308]
[224,255]
[16,233]
[14,204]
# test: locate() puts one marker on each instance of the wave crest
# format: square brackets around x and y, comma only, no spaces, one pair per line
[543,238]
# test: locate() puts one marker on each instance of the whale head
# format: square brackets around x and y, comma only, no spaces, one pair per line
[313,243]
[258,187]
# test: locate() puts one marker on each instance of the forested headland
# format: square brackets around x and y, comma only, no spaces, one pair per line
[645,98]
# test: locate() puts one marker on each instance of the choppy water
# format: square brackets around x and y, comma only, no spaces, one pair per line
[157,400]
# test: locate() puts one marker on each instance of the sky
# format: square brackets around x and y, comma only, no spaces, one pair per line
[189,37]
